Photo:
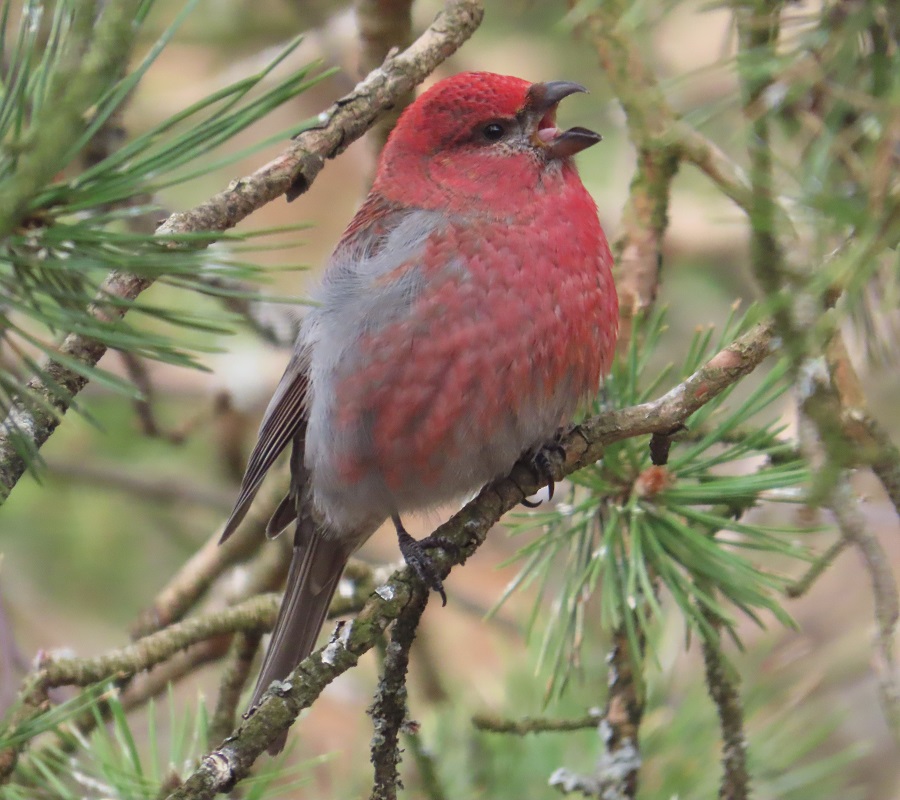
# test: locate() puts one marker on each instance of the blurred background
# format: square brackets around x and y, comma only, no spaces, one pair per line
[116,512]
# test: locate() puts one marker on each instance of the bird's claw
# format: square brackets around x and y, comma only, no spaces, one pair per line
[418,561]
[540,463]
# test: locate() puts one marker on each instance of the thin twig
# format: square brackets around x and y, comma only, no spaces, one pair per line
[274,322]
[648,118]
[872,442]
[526,725]
[616,773]
[830,453]
[722,683]
[803,584]
[758,26]
[198,574]
[358,583]
[255,615]
[430,781]
[884,590]
[234,677]
[136,369]
[151,488]
[389,709]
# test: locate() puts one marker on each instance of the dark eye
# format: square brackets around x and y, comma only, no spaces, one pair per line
[493,131]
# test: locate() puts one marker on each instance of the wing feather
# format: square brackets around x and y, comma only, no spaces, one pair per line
[284,419]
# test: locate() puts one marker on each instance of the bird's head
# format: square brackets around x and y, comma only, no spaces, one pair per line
[478,135]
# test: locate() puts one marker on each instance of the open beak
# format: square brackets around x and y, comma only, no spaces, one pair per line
[540,105]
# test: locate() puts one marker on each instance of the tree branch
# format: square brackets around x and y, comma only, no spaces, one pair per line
[201,570]
[389,709]
[723,684]
[885,593]
[255,615]
[803,584]
[526,725]
[649,118]
[149,665]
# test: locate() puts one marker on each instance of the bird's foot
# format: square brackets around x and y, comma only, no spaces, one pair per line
[543,468]
[414,553]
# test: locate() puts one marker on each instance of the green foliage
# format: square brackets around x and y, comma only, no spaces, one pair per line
[115,760]
[627,527]
[831,90]
[108,760]
[65,234]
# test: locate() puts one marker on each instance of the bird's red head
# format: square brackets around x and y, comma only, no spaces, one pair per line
[478,136]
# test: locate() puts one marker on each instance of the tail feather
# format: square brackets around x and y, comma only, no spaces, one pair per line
[316,567]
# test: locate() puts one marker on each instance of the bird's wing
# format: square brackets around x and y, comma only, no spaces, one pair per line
[284,419]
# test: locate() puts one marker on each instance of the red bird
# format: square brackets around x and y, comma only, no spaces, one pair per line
[466,312]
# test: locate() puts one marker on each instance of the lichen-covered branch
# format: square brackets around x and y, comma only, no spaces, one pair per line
[649,118]
[837,431]
[389,709]
[200,571]
[149,664]
[723,683]
[256,615]
[803,584]
[616,773]
[526,725]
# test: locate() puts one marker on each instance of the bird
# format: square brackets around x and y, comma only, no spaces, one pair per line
[465,315]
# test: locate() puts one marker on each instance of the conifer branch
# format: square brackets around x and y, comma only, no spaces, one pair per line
[99,43]
[255,615]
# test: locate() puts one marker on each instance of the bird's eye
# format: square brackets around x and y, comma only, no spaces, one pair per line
[493,131]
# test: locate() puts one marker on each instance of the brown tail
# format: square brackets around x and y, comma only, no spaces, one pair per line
[316,568]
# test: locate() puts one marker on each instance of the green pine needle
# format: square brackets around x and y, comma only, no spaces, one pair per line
[63,235]
[614,556]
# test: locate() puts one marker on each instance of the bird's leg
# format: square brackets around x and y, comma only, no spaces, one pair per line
[416,558]
[543,468]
